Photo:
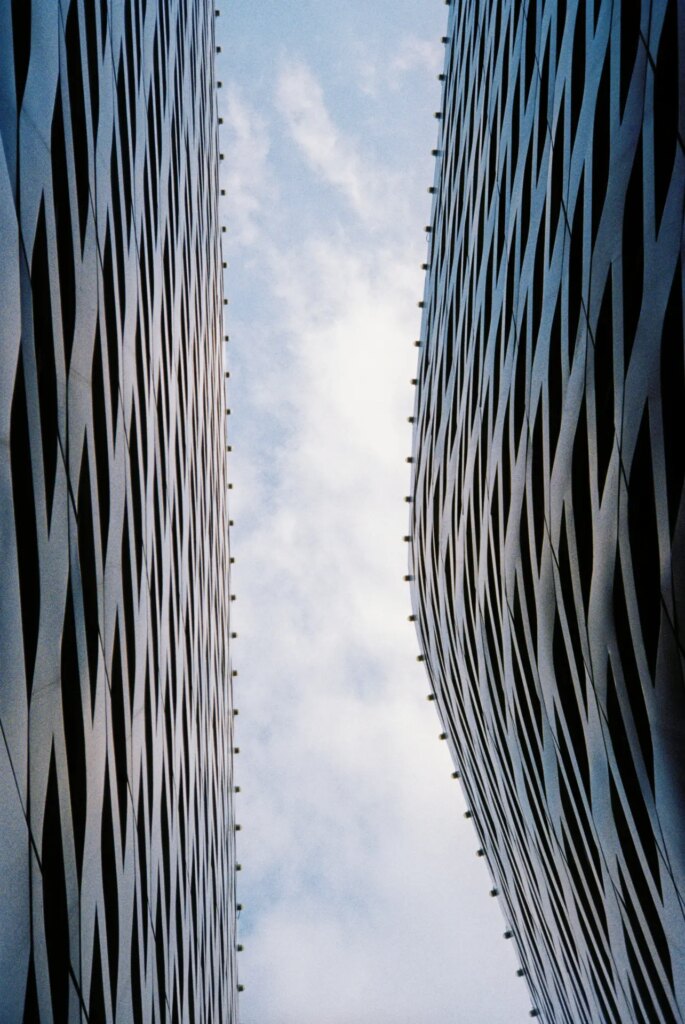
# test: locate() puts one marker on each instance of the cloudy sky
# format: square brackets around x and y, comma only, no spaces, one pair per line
[364,900]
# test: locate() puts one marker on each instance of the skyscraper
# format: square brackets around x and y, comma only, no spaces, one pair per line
[116,820]
[548,522]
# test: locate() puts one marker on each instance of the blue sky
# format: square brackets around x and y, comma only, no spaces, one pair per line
[364,900]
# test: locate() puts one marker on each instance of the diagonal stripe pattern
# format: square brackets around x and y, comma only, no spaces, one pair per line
[548,522]
[117,852]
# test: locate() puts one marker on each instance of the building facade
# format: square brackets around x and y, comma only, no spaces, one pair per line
[548,521]
[116,821]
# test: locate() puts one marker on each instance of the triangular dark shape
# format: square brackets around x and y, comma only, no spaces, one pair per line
[72,711]
[25,523]
[31,1011]
[55,905]
[96,1008]
[110,888]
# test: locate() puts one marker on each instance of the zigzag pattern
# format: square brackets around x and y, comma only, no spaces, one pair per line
[117,851]
[548,517]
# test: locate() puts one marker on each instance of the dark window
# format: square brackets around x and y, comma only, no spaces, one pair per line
[75,742]
[45,356]
[25,523]
[55,909]
[21,30]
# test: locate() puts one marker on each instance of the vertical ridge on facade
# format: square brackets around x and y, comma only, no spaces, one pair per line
[117,856]
[548,522]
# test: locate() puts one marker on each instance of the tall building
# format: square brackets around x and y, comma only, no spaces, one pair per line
[116,821]
[548,521]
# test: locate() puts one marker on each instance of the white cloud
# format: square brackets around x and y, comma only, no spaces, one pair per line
[372,192]
[350,808]
[376,75]
[365,903]
[415,55]
[245,175]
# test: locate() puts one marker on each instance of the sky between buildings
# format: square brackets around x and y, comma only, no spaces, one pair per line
[364,900]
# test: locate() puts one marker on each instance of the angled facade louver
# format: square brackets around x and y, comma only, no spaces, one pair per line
[548,521]
[116,822]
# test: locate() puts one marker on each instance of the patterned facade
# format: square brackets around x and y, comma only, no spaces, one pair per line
[116,822]
[548,521]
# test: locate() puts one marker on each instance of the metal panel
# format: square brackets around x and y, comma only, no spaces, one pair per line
[118,858]
[548,521]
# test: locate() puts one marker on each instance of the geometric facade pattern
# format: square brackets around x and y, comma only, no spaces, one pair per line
[116,821]
[548,520]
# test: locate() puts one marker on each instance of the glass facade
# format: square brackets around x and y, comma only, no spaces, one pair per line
[116,821]
[548,521]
